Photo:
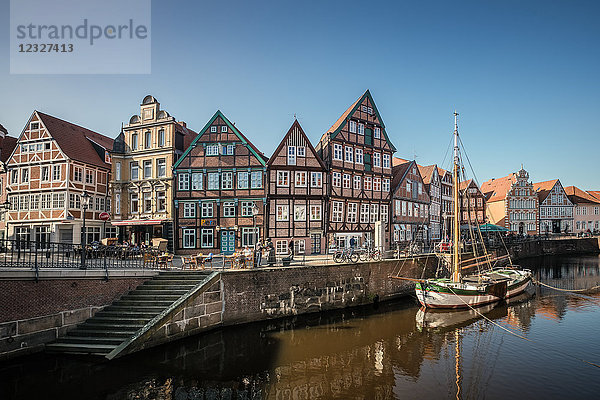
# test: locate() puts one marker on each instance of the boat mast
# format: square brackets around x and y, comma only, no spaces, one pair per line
[455,254]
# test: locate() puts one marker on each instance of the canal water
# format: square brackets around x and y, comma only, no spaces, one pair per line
[541,345]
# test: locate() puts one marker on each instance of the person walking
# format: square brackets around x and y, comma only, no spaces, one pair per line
[271,254]
[258,254]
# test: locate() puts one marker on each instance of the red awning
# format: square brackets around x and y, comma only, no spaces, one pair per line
[129,222]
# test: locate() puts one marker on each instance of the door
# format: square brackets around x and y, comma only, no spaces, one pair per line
[227,242]
[315,243]
[66,235]
[555,226]
[42,237]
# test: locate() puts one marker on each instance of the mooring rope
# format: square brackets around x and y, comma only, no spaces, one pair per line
[567,290]
[520,336]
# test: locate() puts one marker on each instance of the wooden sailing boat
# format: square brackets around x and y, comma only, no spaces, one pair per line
[467,291]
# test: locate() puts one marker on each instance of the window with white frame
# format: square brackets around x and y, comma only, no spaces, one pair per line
[213,129]
[147,202]
[242,180]
[224,128]
[161,201]
[299,213]
[134,141]
[247,207]
[352,126]
[228,150]
[161,138]
[374,213]
[283,212]
[133,202]
[357,181]
[24,175]
[300,179]
[189,238]
[58,200]
[377,159]
[161,167]
[118,171]
[315,212]
[229,209]
[364,213]
[386,185]
[316,179]
[212,149]
[377,184]
[337,152]
[367,183]
[147,140]
[346,181]
[45,173]
[249,235]
[227,180]
[283,178]
[35,201]
[281,246]
[291,155]
[386,161]
[183,181]
[256,179]
[213,181]
[349,154]
[147,169]
[134,171]
[56,172]
[384,213]
[337,179]
[359,156]
[189,210]
[207,209]
[301,150]
[117,203]
[361,129]
[196,180]
[377,132]
[352,210]
[337,211]
[14,176]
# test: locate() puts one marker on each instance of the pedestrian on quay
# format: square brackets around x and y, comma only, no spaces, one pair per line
[258,253]
[271,254]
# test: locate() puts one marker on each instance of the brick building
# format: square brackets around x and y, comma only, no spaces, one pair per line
[472,203]
[296,199]
[556,210]
[433,185]
[220,195]
[411,201]
[7,145]
[357,152]
[447,203]
[586,215]
[53,164]
[512,203]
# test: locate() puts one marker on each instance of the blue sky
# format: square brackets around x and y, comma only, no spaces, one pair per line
[523,76]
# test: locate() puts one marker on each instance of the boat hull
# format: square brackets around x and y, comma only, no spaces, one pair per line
[447,294]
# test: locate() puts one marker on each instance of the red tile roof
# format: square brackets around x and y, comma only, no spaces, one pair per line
[343,117]
[76,141]
[497,189]
[398,161]
[577,195]
[595,193]
[8,145]
[398,172]
[543,188]
[426,173]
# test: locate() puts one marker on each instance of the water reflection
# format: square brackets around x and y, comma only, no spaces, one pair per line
[396,351]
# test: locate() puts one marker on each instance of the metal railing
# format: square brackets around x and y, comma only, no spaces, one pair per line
[36,255]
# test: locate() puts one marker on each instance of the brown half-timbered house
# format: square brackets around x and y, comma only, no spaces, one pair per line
[296,199]
[411,204]
[472,203]
[220,193]
[53,163]
[357,152]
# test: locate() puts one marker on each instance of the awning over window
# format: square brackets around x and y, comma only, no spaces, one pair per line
[130,222]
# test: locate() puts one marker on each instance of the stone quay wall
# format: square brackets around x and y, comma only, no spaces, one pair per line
[35,313]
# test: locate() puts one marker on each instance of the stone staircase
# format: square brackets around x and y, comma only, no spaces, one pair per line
[121,320]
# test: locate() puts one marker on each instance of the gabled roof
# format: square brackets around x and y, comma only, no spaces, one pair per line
[77,142]
[8,145]
[497,189]
[341,121]
[465,184]
[577,196]
[543,188]
[296,125]
[427,173]
[442,172]
[258,154]
[398,161]
[399,171]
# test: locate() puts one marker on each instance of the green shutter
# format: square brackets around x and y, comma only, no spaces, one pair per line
[367,162]
[369,136]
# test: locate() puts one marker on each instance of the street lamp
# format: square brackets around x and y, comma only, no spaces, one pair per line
[85,203]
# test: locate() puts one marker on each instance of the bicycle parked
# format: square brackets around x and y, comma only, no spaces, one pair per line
[345,255]
[370,253]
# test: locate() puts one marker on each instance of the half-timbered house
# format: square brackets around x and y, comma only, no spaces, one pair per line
[357,152]
[220,194]
[447,203]
[556,210]
[472,207]
[53,163]
[411,204]
[296,197]
[433,184]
